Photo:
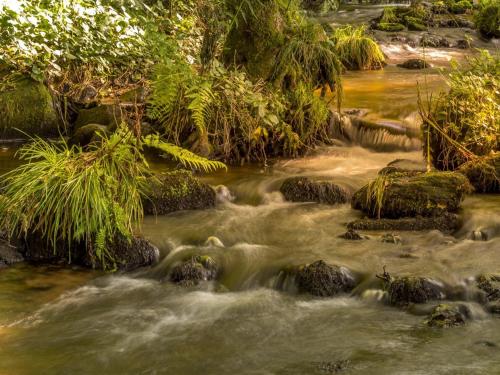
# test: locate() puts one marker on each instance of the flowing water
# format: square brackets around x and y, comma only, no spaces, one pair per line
[74,321]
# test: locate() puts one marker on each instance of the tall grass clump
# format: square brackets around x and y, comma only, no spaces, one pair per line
[72,198]
[464,123]
[356,50]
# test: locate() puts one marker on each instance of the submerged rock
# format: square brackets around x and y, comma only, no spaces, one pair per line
[352,235]
[392,238]
[303,189]
[446,316]
[193,271]
[405,290]
[400,195]
[324,280]
[28,106]
[175,191]
[446,223]
[415,64]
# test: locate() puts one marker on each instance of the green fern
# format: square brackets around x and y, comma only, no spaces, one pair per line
[186,157]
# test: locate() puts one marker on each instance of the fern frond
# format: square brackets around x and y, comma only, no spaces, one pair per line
[201,98]
[186,157]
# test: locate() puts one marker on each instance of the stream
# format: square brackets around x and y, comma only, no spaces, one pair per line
[75,321]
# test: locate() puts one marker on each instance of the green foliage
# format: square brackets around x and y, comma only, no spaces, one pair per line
[465,121]
[70,196]
[487,18]
[390,27]
[389,15]
[308,57]
[320,6]
[356,50]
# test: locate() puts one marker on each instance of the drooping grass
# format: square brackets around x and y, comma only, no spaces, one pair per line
[464,122]
[356,49]
[308,57]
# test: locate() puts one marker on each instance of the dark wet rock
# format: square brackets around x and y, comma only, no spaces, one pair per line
[406,290]
[404,39]
[175,191]
[490,285]
[87,94]
[446,223]
[435,41]
[454,22]
[27,109]
[406,166]
[446,316]
[87,134]
[399,195]
[486,343]
[352,235]
[415,64]
[104,114]
[9,254]
[493,307]
[463,44]
[125,254]
[193,271]
[392,238]
[303,189]
[324,280]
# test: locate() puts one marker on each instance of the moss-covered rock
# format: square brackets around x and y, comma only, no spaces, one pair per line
[194,270]
[28,106]
[104,114]
[483,173]
[415,64]
[415,24]
[460,7]
[406,166]
[389,27]
[175,191]
[488,20]
[324,280]
[405,290]
[399,195]
[303,189]
[446,316]
[446,223]
[352,235]
[88,134]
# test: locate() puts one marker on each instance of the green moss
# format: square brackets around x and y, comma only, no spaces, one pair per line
[415,24]
[460,7]
[174,191]
[483,173]
[390,27]
[27,105]
[487,19]
[102,115]
[446,316]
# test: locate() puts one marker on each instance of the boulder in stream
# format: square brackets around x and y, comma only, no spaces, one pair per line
[434,41]
[194,270]
[401,195]
[125,254]
[352,235]
[87,134]
[175,191]
[324,280]
[446,316]
[490,286]
[446,223]
[415,64]
[9,254]
[403,291]
[304,189]
[483,173]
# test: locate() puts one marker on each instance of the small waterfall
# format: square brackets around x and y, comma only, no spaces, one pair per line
[379,136]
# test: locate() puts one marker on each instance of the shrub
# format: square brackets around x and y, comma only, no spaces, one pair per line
[487,19]
[356,50]
[465,122]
